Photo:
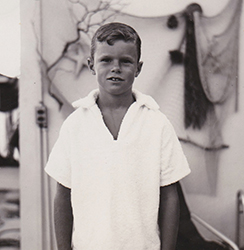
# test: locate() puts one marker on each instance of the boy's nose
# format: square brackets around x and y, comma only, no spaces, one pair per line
[116,68]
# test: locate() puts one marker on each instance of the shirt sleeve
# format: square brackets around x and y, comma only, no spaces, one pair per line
[174,165]
[58,165]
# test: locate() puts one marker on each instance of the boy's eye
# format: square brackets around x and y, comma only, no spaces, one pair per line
[106,59]
[126,61]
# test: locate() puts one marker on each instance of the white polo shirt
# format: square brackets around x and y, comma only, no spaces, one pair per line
[115,184]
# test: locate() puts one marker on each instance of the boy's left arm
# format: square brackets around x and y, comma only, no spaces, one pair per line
[169,216]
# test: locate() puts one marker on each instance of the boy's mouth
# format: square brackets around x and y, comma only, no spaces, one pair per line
[115,79]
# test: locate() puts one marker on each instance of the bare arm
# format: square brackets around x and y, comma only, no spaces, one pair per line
[169,216]
[63,218]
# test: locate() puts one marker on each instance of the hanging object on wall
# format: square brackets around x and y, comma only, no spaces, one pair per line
[211,61]
[196,103]
[176,56]
[217,41]
[172,22]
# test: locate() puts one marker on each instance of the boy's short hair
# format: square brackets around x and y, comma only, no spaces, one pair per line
[115,31]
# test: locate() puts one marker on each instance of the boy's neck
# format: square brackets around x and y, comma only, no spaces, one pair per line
[115,101]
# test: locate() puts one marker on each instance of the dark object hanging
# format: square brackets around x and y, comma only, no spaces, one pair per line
[8,94]
[172,22]
[197,105]
[176,56]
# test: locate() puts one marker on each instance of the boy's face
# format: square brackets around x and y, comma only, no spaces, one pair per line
[115,66]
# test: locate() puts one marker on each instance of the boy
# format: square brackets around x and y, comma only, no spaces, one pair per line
[117,158]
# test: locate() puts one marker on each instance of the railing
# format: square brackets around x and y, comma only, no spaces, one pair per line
[240,211]
[215,232]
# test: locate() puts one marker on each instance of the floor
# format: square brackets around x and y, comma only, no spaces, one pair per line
[9,208]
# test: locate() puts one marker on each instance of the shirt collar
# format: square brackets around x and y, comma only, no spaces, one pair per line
[141,99]
[88,101]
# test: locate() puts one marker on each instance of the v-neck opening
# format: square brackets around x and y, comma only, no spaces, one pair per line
[121,124]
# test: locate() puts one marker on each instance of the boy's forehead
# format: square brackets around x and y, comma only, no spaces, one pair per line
[105,46]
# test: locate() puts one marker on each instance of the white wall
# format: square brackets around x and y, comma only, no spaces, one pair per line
[164,7]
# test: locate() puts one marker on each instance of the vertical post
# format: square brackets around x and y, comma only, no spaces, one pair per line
[29,96]
[42,122]
[240,211]
[36,232]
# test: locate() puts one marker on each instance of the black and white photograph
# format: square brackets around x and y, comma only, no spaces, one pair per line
[121,125]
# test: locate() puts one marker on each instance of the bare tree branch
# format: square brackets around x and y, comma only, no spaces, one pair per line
[96,16]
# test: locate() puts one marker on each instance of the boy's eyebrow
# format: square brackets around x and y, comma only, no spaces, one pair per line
[105,55]
[122,57]
[128,58]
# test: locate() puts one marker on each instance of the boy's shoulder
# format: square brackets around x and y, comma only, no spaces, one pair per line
[149,102]
[80,107]
[87,101]
[83,104]
[144,100]
[156,117]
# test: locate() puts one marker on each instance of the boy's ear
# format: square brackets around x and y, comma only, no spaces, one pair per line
[90,63]
[139,67]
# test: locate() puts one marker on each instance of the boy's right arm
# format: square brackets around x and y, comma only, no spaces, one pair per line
[63,218]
